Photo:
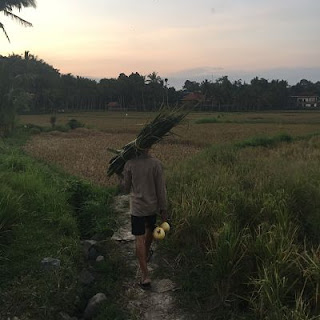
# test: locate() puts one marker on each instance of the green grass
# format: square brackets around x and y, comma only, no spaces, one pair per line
[246,225]
[219,119]
[38,224]
[206,120]
[263,141]
[44,213]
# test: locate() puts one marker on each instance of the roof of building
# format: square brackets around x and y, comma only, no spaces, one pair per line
[193,96]
[113,104]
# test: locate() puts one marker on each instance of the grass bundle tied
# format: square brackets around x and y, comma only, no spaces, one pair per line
[152,133]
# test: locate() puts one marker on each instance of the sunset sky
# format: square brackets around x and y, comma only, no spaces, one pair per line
[178,39]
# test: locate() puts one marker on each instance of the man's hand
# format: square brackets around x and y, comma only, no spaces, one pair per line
[164,215]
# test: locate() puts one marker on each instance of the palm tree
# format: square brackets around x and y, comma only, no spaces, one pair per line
[7,6]
[153,78]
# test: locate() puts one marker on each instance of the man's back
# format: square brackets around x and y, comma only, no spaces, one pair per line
[143,176]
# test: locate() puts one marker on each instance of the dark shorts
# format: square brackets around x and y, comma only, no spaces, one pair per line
[139,224]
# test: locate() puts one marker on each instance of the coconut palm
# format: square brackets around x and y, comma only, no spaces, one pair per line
[7,6]
[153,78]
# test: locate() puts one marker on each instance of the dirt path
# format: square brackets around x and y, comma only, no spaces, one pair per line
[154,304]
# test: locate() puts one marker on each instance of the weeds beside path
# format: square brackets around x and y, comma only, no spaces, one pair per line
[247,224]
[44,214]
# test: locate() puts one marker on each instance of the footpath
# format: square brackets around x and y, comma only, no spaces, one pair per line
[157,303]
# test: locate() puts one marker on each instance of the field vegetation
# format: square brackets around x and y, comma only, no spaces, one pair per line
[84,152]
[246,218]
[44,213]
[244,203]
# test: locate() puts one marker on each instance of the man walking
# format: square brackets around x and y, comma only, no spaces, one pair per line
[143,177]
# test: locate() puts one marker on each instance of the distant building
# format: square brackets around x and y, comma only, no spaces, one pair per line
[199,102]
[306,102]
[194,97]
[114,106]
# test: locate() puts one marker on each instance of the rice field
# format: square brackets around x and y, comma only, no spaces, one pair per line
[245,217]
[83,152]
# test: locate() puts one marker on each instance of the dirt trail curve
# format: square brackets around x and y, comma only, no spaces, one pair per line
[157,303]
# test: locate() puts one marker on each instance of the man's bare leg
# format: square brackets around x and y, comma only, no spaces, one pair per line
[148,240]
[142,258]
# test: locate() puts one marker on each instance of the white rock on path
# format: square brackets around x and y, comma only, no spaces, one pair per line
[163,285]
[100,259]
[123,234]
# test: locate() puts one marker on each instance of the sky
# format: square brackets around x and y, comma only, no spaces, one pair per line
[179,39]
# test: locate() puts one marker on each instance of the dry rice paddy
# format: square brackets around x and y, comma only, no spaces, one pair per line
[83,152]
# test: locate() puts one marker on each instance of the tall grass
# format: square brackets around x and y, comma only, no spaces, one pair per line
[43,213]
[246,229]
[10,210]
[36,223]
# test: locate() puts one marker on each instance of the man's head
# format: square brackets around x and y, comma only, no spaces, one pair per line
[146,151]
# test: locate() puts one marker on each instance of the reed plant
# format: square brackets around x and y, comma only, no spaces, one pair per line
[247,231]
[150,134]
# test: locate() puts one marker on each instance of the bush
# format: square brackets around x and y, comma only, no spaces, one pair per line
[207,120]
[53,120]
[92,208]
[265,141]
[74,124]
[35,131]
[15,163]
[30,126]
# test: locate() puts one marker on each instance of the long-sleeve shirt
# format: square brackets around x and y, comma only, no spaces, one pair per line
[143,176]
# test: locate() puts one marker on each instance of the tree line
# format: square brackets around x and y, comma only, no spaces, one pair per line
[30,85]
[37,87]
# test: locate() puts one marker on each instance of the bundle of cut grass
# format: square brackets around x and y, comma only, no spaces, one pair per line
[152,133]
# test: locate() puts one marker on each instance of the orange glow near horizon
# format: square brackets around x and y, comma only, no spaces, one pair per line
[109,38]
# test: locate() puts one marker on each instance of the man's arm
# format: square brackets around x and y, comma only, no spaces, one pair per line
[125,179]
[161,192]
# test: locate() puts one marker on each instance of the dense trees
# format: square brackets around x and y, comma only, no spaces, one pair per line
[30,85]
[259,94]
[37,87]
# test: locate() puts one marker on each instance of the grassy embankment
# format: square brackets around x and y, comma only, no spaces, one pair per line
[247,229]
[44,213]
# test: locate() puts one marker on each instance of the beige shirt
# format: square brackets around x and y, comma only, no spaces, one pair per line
[143,176]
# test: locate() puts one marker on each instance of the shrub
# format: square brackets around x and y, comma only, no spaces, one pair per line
[35,131]
[53,120]
[14,162]
[207,120]
[91,206]
[265,141]
[74,124]
[31,125]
